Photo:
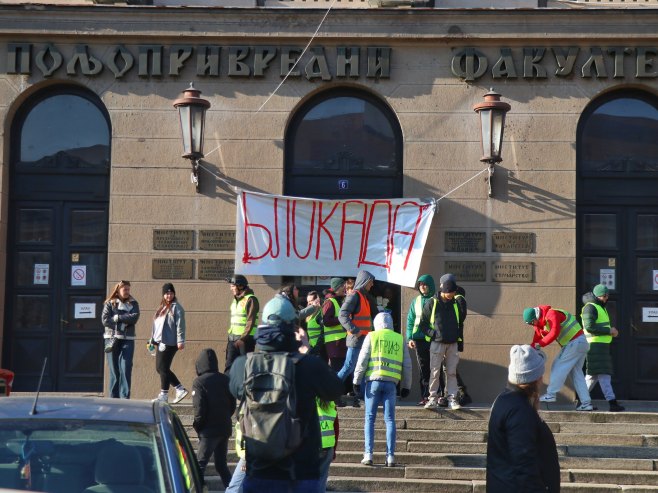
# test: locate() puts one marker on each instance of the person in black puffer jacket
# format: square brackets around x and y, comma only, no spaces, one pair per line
[213,407]
[521,451]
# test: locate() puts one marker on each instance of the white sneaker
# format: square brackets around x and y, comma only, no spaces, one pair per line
[390,461]
[432,403]
[454,405]
[161,398]
[547,398]
[585,407]
[180,395]
[367,460]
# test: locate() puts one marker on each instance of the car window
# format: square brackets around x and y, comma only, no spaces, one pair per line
[69,456]
[186,458]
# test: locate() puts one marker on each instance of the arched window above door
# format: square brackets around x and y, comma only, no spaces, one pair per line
[344,142]
[63,130]
[619,135]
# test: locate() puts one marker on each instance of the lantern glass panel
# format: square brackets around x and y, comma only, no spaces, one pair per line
[498,123]
[197,118]
[485,119]
[186,128]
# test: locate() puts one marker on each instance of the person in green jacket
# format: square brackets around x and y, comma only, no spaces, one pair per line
[416,338]
[599,333]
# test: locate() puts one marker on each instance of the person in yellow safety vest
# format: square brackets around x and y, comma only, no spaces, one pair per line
[440,321]
[552,324]
[599,332]
[244,320]
[383,363]
[241,467]
[328,416]
[356,315]
[311,319]
[416,338]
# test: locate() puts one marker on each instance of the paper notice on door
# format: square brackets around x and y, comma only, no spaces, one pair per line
[84,310]
[650,314]
[78,275]
[607,277]
[41,273]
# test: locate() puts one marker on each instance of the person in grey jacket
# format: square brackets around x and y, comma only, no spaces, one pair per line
[168,334]
[120,313]
[383,363]
[356,315]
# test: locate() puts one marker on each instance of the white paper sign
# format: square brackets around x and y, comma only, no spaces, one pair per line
[84,310]
[655,280]
[608,278]
[277,235]
[650,314]
[41,273]
[78,275]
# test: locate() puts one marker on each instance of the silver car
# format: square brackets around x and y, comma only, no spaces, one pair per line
[94,445]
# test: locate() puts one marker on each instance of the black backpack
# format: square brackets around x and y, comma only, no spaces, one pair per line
[271,430]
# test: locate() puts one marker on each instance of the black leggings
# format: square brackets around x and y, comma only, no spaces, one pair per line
[163,360]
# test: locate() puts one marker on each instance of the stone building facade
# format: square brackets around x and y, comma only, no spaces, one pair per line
[94,189]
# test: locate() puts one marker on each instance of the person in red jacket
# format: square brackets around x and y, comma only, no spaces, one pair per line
[552,324]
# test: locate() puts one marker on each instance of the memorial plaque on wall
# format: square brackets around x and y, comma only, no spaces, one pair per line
[467,271]
[512,272]
[172,268]
[512,242]
[465,241]
[219,239]
[212,269]
[173,239]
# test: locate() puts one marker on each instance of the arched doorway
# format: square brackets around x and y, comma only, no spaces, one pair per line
[57,240]
[617,213]
[345,143]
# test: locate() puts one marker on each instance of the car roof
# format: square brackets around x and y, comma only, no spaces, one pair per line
[84,408]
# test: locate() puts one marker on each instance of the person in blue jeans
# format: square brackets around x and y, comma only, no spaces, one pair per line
[383,363]
[356,315]
[120,313]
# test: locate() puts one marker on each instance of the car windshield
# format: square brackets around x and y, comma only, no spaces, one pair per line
[73,455]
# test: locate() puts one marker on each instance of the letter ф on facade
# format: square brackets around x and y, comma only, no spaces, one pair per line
[492,125]
[192,112]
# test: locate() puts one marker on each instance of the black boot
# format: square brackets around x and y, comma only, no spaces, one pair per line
[615,407]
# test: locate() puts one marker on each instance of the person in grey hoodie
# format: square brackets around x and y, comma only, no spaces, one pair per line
[213,407]
[383,363]
[356,315]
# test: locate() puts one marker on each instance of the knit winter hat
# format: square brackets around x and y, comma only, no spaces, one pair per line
[168,287]
[337,283]
[383,320]
[448,287]
[526,364]
[530,315]
[447,277]
[600,290]
[279,308]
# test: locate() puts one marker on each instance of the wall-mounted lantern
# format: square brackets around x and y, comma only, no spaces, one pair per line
[192,111]
[492,125]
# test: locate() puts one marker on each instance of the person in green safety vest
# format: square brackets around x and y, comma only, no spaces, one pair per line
[328,416]
[416,338]
[552,324]
[334,333]
[440,322]
[383,363]
[244,320]
[600,333]
[311,321]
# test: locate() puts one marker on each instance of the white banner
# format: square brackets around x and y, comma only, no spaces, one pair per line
[277,235]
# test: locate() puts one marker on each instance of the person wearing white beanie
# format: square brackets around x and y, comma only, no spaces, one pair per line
[521,450]
[383,363]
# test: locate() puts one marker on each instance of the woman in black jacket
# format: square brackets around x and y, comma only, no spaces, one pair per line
[521,451]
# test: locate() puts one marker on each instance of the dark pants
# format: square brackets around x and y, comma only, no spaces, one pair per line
[120,362]
[423,358]
[163,360]
[232,352]
[217,446]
